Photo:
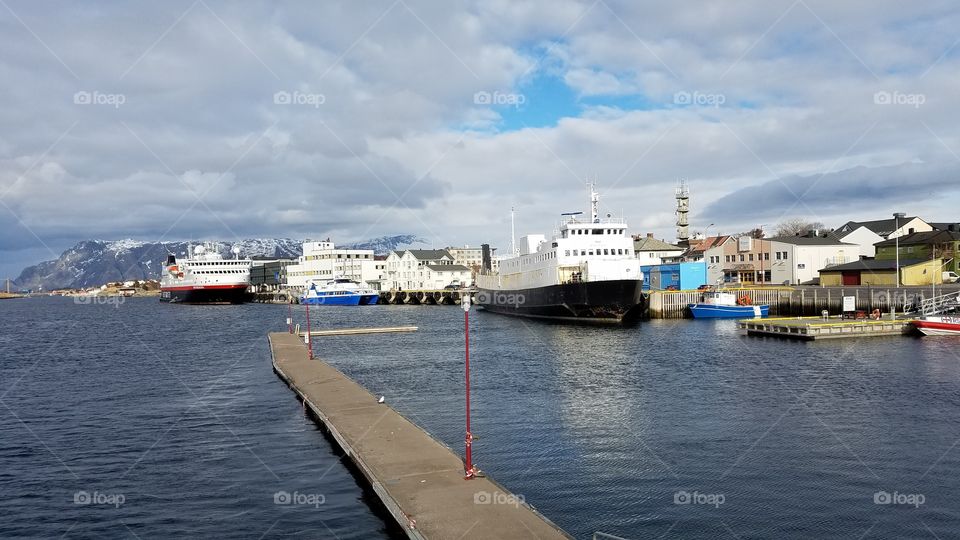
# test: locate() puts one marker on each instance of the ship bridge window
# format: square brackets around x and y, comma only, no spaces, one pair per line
[566,252]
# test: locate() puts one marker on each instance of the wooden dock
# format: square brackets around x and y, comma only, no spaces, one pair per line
[357,331]
[812,328]
[419,480]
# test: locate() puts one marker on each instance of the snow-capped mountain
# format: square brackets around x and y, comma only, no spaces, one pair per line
[95,262]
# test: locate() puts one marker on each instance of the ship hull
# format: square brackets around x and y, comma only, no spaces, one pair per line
[209,294]
[615,302]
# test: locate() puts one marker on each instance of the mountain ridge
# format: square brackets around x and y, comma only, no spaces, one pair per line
[91,263]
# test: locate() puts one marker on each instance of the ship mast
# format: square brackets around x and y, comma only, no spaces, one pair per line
[513,235]
[594,203]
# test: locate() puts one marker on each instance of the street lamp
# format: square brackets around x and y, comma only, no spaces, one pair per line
[897,216]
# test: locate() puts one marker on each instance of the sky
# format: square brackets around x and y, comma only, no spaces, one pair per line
[219,120]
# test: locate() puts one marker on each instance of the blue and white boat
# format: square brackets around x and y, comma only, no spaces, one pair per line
[726,305]
[339,292]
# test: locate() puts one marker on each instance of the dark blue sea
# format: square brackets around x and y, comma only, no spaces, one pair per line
[150,420]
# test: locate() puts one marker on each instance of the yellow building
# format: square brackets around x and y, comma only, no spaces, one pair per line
[882,273]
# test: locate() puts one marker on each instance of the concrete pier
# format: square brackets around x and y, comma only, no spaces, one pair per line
[418,479]
[811,328]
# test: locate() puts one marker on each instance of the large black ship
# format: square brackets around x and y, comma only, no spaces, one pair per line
[598,302]
[587,273]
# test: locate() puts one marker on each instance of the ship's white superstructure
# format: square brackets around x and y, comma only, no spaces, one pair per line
[583,250]
[205,277]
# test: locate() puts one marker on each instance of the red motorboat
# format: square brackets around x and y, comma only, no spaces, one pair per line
[938,325]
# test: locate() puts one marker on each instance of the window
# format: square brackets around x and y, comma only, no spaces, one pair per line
[606,252]
[766,257]
[590,253]
[741,257]
[567,253]
[785,255]
[751,257]
[778,256]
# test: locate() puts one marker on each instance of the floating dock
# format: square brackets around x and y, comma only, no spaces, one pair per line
[419,480]
[812,328]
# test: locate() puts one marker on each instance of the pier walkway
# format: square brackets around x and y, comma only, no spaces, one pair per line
[418,479]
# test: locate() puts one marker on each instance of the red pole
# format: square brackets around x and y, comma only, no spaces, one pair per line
[470,470]
[309,337]
[289,318]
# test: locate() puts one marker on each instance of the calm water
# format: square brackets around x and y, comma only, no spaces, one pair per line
[176,409]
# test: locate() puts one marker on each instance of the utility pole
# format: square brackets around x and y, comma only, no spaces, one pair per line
[896,218]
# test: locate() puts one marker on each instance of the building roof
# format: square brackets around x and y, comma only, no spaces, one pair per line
[448,268]
[648,243]
[426,254]
[873,265]
[883,227]
[829,240]
[925,238]
[703,244]
[944,226]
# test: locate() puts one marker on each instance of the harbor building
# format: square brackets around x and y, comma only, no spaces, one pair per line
[471,257]
[651,251]
[698,246]
[927,245]
[677,276]
[744,260]
[783,260]
[797,260]
[866,234]
[882,273]
[269,274]
[420,269]
[323,261]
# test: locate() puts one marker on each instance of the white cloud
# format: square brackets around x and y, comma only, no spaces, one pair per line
[398,119]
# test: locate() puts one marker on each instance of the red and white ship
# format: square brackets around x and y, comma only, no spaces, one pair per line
[938,325]
[205,277]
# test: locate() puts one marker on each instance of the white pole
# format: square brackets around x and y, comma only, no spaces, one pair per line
[513,235]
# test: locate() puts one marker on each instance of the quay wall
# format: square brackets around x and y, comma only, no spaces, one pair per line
[797,301]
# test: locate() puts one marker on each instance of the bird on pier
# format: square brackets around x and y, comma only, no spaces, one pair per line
[381,400]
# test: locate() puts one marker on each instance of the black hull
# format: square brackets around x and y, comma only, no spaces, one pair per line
[233,295]
[617,302]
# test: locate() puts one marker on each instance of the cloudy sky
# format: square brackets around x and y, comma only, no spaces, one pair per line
[208,119]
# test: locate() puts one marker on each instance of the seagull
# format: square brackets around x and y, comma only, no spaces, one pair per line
[381,400]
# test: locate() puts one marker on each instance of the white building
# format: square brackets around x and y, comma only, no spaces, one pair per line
[867,233]
[322,261]
[651,251]
[466,256]
[415,269]
[798,259]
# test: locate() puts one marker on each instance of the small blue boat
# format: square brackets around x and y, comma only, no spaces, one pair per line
[339,292]
[725,305]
